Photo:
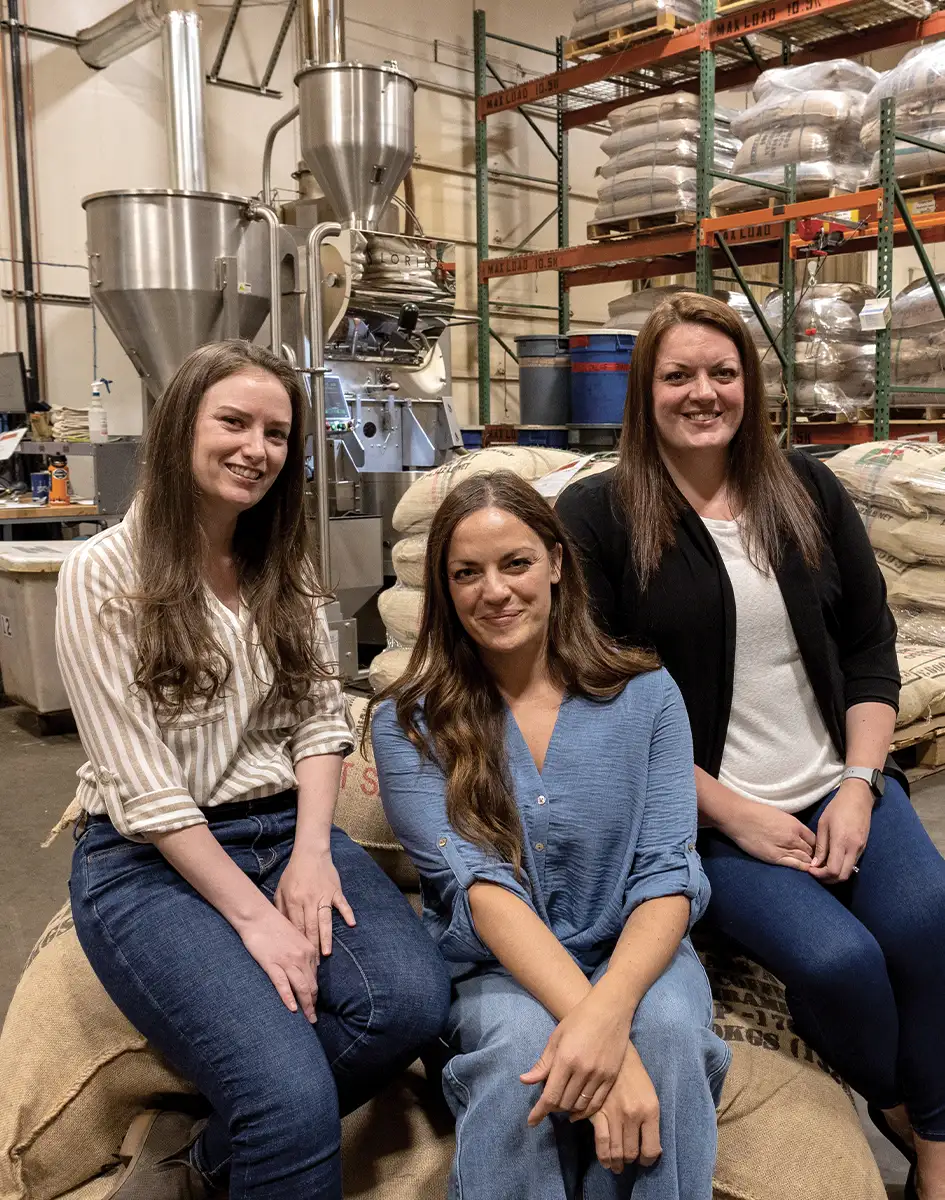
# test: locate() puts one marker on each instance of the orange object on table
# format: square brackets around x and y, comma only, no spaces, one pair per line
[58,481]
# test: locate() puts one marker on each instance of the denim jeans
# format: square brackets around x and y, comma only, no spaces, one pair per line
[863,962]
[177,969]
[499,1030]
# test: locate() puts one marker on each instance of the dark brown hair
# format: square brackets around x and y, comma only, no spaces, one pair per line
[447,687]
[773,505]
[180,661]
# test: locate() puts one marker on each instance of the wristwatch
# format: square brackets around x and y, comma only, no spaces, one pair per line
[874,778]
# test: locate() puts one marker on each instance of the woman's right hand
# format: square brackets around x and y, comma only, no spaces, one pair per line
[627,1128]
[286,955]
[772,835]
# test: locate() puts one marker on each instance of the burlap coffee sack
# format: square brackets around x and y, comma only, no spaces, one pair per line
[416,507]
[359,812]
[552,486]
[925,484]
[831,110]
[920,626]
[784,147]
[878,473]
[922,586]
[408,556]
[387,668]
[75,1073]
[910,540]
[401,608]
[787,1126]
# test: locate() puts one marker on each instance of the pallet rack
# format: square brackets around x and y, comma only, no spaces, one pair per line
[727,48]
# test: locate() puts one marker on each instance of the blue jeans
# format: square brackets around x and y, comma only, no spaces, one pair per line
[499,1030]
[863,962]
[177,969]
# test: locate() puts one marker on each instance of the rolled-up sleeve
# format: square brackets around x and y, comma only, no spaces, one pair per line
[142,784]
[413,792]
[325,729]
[666,862]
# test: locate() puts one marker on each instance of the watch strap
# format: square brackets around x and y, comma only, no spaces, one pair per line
[867,774]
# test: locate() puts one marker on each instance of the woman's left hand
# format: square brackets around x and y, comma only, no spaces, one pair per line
[842,832]
[308,891]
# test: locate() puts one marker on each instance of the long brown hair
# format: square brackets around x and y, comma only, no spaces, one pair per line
[447,687]
[774,506]
[180,661]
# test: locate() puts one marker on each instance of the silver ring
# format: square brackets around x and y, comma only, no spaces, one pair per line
[856,870]
[321,906]
[583,1096]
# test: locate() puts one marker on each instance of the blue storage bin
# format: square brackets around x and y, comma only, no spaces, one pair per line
[472,438]
[553,437]
[600,364]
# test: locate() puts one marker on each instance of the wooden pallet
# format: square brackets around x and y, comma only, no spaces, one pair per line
[622,227]
[916,412]
[919,748]
[612,40]
[771,202]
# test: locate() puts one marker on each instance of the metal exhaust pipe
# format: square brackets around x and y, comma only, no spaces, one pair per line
[178,23]
[321,31]
[183,83]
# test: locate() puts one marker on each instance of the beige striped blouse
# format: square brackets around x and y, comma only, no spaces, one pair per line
[152,777]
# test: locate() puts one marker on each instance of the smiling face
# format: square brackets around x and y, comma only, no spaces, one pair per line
[240,440]
[698,389]
[500,576]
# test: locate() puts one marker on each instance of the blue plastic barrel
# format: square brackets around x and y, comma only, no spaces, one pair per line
[554,437]
[544,379]
[600,363]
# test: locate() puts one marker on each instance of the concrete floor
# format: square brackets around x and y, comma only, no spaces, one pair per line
[37,781]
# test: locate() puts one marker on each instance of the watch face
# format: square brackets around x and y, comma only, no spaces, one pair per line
[878,783]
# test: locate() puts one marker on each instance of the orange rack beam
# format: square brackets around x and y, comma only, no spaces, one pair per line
[867,205]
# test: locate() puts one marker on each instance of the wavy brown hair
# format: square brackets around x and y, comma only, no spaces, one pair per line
[180,661]
[773,504]
[447,700]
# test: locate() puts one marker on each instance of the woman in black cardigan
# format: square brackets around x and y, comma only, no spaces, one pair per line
[751,574]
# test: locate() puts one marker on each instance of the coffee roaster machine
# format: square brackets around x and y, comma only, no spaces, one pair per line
[359,308]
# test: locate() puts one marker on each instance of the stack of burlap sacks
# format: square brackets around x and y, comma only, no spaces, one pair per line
[917,84]
[834,355]
[918,343]
[632,310]
[808,117]
[75,1073]
[400,606]
[651,157]
[598,17]
[899,489]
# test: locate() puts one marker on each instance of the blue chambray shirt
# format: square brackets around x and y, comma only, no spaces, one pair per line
[608,823]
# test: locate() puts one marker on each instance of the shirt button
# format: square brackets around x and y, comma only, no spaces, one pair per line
[691,846]
[539,845]
[541,799]
[104,776]
[441,842]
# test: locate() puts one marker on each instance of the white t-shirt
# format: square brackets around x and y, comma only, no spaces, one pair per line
[777,749]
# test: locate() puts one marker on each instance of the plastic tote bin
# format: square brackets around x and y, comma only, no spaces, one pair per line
[544,379]
[28,575]
[555,438]
[600,363]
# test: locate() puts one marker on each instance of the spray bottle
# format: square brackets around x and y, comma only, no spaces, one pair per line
[98,418]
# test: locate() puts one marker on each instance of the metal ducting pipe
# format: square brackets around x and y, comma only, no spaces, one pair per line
[178,22]
[183,82]
[321,31]
[133,25]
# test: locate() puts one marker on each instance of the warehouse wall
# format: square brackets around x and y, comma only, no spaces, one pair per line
[99,130]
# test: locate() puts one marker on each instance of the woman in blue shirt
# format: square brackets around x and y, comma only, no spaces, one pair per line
[541,779]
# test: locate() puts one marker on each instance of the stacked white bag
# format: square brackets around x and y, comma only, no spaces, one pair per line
[918,342]
[809,117]
[834,356]
[917,85]
[593,17]
[401,606]
[899,490]
[652,152]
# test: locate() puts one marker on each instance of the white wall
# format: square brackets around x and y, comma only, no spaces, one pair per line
[95,130]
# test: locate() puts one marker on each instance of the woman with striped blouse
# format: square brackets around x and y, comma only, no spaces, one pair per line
[217,904]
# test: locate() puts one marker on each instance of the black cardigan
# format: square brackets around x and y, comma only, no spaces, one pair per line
[845,631]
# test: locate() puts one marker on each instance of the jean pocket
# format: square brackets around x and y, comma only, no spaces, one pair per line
[122,863]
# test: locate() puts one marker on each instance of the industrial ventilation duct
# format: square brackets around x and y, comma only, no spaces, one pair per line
[178,24]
